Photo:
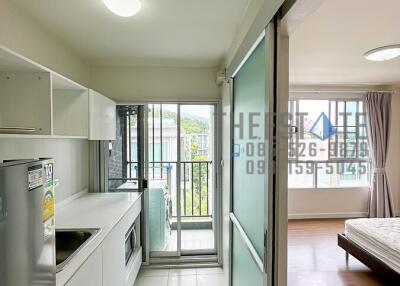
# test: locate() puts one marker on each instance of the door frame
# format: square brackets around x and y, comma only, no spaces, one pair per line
[277,238]
[269,34]
[290,15]
[180,256]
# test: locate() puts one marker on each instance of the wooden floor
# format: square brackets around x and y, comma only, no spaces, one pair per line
[314,259]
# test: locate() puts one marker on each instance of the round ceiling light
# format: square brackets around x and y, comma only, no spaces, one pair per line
[383,54]
[123,8]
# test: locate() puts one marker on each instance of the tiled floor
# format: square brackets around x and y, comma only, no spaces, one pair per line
[192,239]
[181,277]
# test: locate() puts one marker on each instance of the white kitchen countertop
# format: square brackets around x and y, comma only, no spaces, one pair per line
[100,210]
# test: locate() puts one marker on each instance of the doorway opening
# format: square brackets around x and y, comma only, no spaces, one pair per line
[181,144]
[172,146]
[330,167]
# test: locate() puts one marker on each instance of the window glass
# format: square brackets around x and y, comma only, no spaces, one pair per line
[300,175]
[292,150]
[341,175]
[310,122]
[331,141]
[351,142]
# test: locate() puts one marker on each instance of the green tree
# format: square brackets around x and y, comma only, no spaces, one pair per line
[194,126]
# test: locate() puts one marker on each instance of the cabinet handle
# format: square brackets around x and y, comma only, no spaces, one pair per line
[134,237]
[21,129]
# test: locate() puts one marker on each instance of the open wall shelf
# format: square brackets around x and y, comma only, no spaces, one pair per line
[36,102]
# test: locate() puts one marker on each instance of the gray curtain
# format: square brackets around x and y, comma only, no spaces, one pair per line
[378,112]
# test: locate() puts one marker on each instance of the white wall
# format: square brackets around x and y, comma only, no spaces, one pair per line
[258,15]
[330,203]
[350,202]
[141,84]
[20,33]
[71,158]
[248,19]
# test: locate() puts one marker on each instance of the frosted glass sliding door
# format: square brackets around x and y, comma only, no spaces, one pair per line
[251,216]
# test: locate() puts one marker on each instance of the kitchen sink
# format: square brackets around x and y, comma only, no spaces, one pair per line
[69,242]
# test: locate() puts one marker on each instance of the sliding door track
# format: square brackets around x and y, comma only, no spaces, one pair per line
[184,262]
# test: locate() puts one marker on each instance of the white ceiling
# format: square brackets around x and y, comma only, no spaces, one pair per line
[328,48]
[164,32]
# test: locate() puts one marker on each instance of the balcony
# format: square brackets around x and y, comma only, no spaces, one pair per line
[196,201]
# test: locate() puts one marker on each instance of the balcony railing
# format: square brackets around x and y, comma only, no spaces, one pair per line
[196,185]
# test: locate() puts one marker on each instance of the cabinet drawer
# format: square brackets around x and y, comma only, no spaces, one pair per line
[90,273]
[115,270]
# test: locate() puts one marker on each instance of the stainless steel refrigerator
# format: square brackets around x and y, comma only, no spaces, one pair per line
[27,226]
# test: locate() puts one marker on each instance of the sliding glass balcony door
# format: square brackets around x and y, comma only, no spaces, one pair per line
[181,172]
[252,168]
[167,152]
[162,173]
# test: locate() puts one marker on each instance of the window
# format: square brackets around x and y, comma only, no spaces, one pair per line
[123,166]
[328,145]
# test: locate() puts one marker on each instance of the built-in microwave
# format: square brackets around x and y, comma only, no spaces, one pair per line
[130,243]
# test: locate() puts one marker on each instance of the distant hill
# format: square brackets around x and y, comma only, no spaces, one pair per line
[194,117]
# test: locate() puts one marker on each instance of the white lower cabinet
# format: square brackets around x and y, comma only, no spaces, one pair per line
[107,265]
[116,272]
[114,250]
[89,274]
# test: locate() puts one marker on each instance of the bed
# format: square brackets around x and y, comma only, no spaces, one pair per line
[376,243]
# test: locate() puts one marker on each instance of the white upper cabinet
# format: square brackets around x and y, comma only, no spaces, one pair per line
[70,108]
[102,117]
[25,103]
[35,101]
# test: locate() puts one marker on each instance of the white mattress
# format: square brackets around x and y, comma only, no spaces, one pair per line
[380,237]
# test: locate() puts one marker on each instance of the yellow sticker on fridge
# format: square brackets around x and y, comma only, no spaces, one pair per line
[48,204]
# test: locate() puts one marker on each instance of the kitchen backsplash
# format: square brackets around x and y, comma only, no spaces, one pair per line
[71,158]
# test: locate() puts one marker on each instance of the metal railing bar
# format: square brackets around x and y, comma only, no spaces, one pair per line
[130,138]
[184,188]
[152,112]
[357,131]
[192,190]
[207,187]
[336,134]
[125,179]
[199,184]
[199,216]
[253,252]
[336,160]
[124,189]
[171,162]
[345,130]
[161,139]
